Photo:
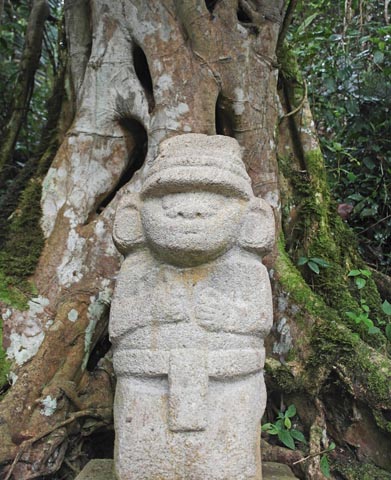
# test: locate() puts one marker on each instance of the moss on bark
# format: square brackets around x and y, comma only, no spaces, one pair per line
[332,355]
[361,471]
[25,238]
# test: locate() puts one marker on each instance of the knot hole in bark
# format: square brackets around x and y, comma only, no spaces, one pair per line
[137,140]
[223,118]
[99,351]
[210,4]
[242,15]
[144,75]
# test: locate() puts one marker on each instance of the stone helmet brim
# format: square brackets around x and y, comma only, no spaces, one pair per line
[211,163]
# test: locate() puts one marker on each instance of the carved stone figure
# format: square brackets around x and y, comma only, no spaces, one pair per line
[190,310]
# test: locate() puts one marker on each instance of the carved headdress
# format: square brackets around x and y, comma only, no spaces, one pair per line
[211,162]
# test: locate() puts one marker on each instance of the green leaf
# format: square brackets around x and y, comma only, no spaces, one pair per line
[314,267]
[306,23]
[325,466]
[288,423]
[372,330]
[280,424]
[297,435]
[365,273]
[388,332]
[270,428]
[367,321]
[360,282]
[290,411]
[266,427]
[302,261]
[286,438]
[354,273]
[331,446]
[320,262]
[355,196]
[386,307]
[365,307]
[378,56]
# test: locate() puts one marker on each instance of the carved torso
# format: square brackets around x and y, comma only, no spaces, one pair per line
[156,303]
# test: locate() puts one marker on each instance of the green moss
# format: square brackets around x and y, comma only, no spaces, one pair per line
[279,377]
[288,62]
[361,471]
[293,282]
[19,257]
[25,238]
[378,375]
[15,294]
[320,232]
[332,343]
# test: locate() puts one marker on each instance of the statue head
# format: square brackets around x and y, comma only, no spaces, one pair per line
[193,203]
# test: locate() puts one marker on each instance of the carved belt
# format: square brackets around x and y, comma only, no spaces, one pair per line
[188,371]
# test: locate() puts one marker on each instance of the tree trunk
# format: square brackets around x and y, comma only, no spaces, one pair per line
[141,72]
[24,84]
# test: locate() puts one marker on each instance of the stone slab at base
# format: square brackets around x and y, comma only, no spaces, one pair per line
[98,469]
[276,471]
[103,470]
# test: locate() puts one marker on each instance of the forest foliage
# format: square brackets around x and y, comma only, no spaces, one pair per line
[344,52]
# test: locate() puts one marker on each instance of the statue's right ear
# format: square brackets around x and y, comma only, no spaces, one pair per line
[127,231]
[257,234]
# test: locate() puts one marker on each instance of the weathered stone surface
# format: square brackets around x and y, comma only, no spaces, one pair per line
[98,469]
[190,311]
[276,471]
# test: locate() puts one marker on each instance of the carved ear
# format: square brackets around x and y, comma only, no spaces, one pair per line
[258,230]
[127,230]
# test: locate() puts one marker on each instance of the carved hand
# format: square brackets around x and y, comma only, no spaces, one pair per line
[216,311]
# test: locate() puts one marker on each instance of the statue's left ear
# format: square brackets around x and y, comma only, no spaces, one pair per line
[258,229]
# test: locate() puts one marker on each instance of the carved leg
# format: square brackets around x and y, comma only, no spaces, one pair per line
[228,449]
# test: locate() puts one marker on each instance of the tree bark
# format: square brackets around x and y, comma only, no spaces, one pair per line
[141,72]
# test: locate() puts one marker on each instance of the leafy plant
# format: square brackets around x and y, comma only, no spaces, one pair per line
[282,427]
[362,317]
[324,461]
[313,263]
[360,277]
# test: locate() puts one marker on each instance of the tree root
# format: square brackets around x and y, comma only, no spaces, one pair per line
[27,444]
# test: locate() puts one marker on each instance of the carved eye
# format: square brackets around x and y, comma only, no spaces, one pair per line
[168,203]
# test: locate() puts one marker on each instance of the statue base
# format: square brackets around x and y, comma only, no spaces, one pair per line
[103,469]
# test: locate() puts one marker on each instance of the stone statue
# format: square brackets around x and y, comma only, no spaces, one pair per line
[191,307]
